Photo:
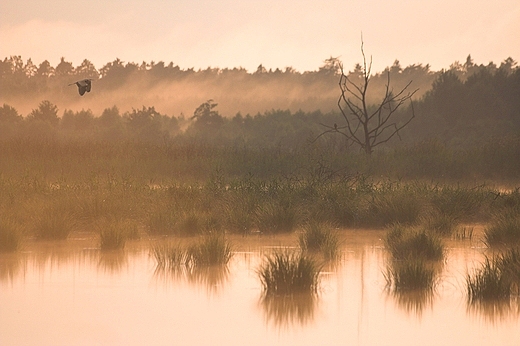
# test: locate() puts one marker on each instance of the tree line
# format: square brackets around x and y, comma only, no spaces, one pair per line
[465,104]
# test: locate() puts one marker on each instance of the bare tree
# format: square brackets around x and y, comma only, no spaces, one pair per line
[369,125]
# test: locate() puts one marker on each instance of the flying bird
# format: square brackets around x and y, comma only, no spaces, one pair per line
[83,86]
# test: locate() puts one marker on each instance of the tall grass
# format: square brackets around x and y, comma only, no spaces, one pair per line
[504,229]
[497,279]
[285,273]
[11,235]
[213,249]
[53,224]
[409,275]
[210,250]
[319,237]
[114,232]
[406,243]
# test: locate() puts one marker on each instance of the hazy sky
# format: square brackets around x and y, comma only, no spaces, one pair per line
[246,33]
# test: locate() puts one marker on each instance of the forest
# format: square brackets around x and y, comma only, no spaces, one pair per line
[466,124]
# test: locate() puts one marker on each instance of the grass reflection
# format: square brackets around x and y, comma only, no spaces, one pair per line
[289,310]
[495,311]
[212,277]
[413,302]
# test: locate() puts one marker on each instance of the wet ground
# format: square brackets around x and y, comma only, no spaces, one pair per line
[71,293]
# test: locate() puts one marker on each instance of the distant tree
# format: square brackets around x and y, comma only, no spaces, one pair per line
[205,115]
[369,125]
[9,114]
[86,70]
[64,68]
[46,112]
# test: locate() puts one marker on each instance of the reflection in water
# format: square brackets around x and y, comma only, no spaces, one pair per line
[10,267]
[413,302]
[212,278]
[113,261]
[495,311]
[289,310]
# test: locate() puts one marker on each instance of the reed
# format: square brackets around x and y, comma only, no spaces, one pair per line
[410,243]
[114,232]
[285,273]
[409,275]
[488,283]
[53,224]
[11,235]
[319,237]
[504,230]
[169,255]
[213,249]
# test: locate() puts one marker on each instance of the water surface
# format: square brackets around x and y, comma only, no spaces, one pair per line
[71,293]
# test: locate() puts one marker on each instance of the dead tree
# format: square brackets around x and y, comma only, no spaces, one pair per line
[369,125]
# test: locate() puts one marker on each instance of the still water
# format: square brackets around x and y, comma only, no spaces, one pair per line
[71,293]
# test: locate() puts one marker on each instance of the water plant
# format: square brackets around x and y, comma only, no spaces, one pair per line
[114,232]
[504,229]
[53,224]
[213,249]
[319,237]
[11,235]
[497,279]
[409,275]
[169,255]
[284,273]
[411,243]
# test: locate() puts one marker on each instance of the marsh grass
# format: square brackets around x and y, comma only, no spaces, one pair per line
[497,279]
[319,237]
[213,249]
[410,275]
[394,206]
[405,243]
[53,224]
[169,255]
[114,232]
[285,273]
[463,233]
[504,230]
[210,250]
[440,223]
[488,283]
[275,216]
[11,235]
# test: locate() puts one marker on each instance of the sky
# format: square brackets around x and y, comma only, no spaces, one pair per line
[275,33]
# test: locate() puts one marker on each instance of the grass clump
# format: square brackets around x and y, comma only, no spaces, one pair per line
[113,233]
[504,229]
[319,237]
[497,279]
[168,255]
[11,236]
[286,273]
[409,243]
[53,225]
[277,217]
[212,250]
[409,275]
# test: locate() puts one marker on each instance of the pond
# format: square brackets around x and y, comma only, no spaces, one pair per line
[71,293]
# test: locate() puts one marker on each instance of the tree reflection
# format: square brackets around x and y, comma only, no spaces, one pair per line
[288,310]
